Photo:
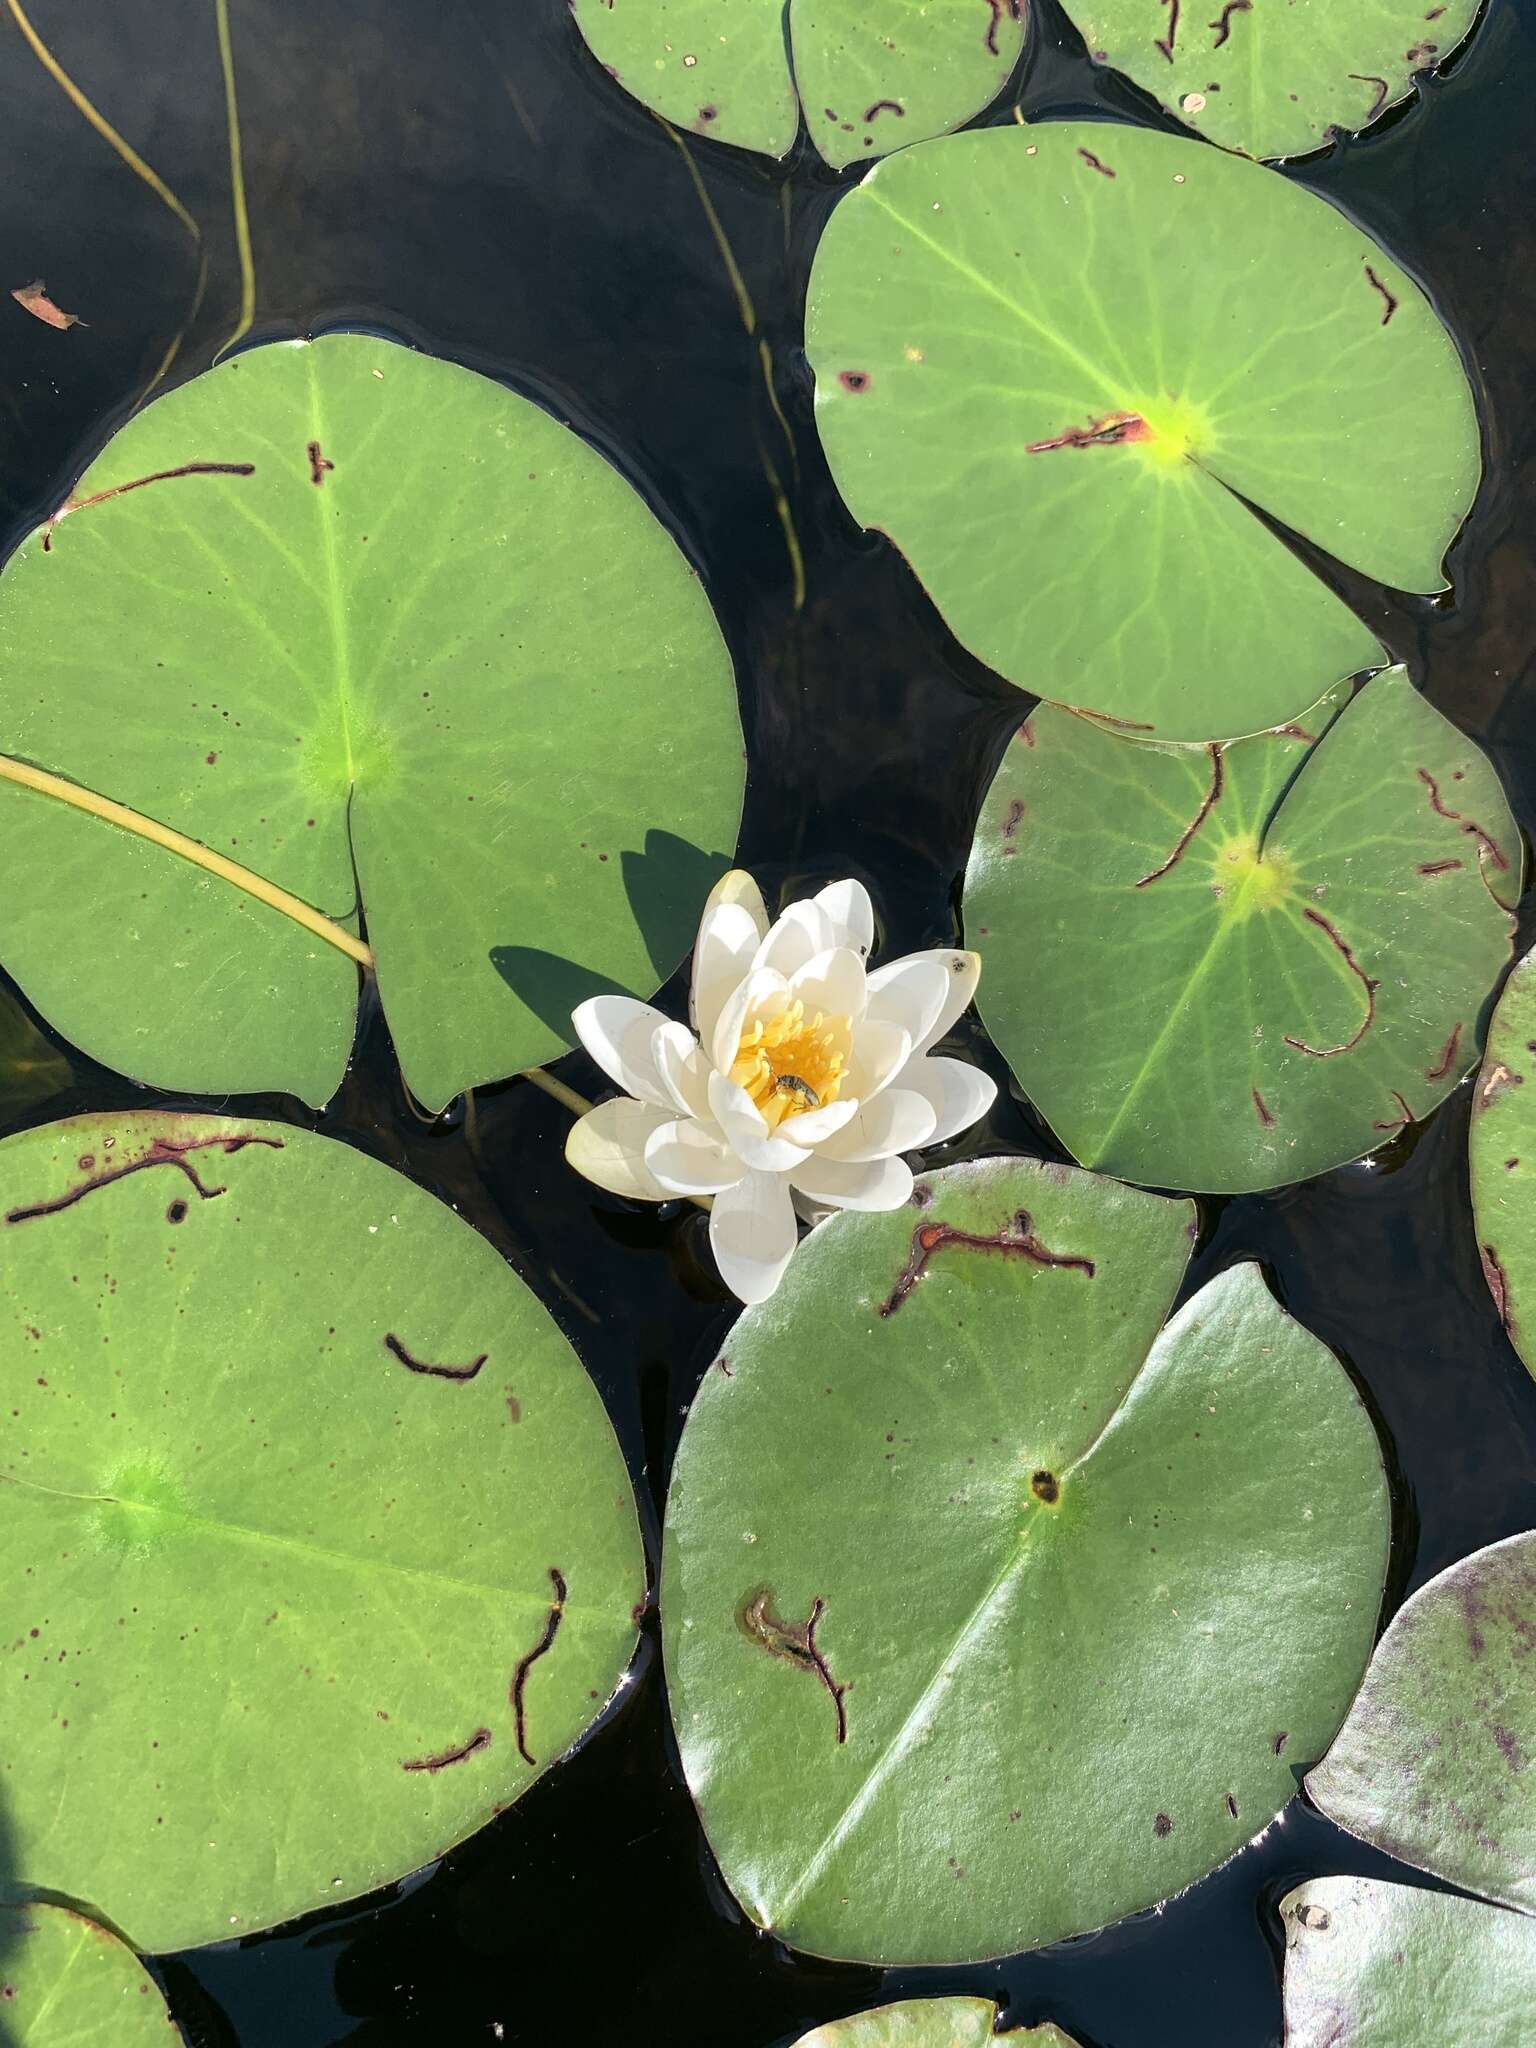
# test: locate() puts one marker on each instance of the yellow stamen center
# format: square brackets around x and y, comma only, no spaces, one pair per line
[792,1062]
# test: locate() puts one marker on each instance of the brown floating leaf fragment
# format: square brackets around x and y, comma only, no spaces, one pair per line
[34,297]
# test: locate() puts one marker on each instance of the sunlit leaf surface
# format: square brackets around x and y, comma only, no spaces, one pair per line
[1062,365]
[319,1544]
[416,651]
[1232,967]
[962,1544]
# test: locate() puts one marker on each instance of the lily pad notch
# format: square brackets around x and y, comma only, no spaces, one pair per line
[867,75]
[319,637]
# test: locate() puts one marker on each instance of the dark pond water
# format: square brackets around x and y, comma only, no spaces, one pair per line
[463,176]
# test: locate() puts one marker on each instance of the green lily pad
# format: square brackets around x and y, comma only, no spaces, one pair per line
[30,1068]
[1312,920]
[432,649]
[67,1983]
[872,74]
[1053,363]
[1503,1148]
[959,1530]
[1275,81]
[1437,1761]
[930,2023]
[1371,1965]
[320,1544]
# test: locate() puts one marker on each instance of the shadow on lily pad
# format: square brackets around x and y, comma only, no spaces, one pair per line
[666,884]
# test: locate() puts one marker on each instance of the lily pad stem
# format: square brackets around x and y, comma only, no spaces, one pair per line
[193,850]
[578,1105]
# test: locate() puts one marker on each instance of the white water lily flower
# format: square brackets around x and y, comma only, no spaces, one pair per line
[806,1081]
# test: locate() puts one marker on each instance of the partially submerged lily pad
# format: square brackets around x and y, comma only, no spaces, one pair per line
[30,1068]
[872,74]
[957,1528]
[1059,365]
[320,1545]
[67,1983]
[1370,1965]
[1436,1763]
[1274,80]
[409,649]
[1503,1148]
[931,2023]
[1311,921]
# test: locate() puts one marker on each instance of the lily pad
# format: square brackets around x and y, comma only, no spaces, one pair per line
[872,74]
[930,2023]
[67,1983]
[1062,365]
[320,1543]
[1311,919]
[424,647]
[959,1530]
[1437,1761]
[1275,80]
[1504,1156]
[1371,1965]
[30,1068]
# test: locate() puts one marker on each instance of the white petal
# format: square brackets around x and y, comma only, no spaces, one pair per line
[687,1159]
[962,971]
[682,1067]
[607,1145]
[753,1236]
[851,914]
[803,931]
[880,1051]
[961,1095]
[732,927]
[832,982]
[898,1121]
[911,993]
[617,1031]
[763,991]
[846,1184]
[746,1129]
[814,1126]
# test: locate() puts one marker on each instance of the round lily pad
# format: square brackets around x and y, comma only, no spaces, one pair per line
[1503,1150]
[1311,919]
[1371,1965]
[871,74]
[67,1983]
[961,1544]
[1437,1761]
[1274,81]
[931,2023]
[389,636]
[320,1545]
[1062,365]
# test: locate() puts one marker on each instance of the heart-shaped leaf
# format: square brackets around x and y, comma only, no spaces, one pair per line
[1437,1761]
[67,1983]
[424,649]
[931,2023]
[1274,81]
[958,1530]
[1503,1150]
[872,74]
[1059,366]
[320,1545]
[1311,920]
[1370,1965]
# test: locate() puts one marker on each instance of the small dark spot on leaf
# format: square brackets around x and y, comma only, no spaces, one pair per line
[1162,1826]
[853,380]
[1044,1485]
